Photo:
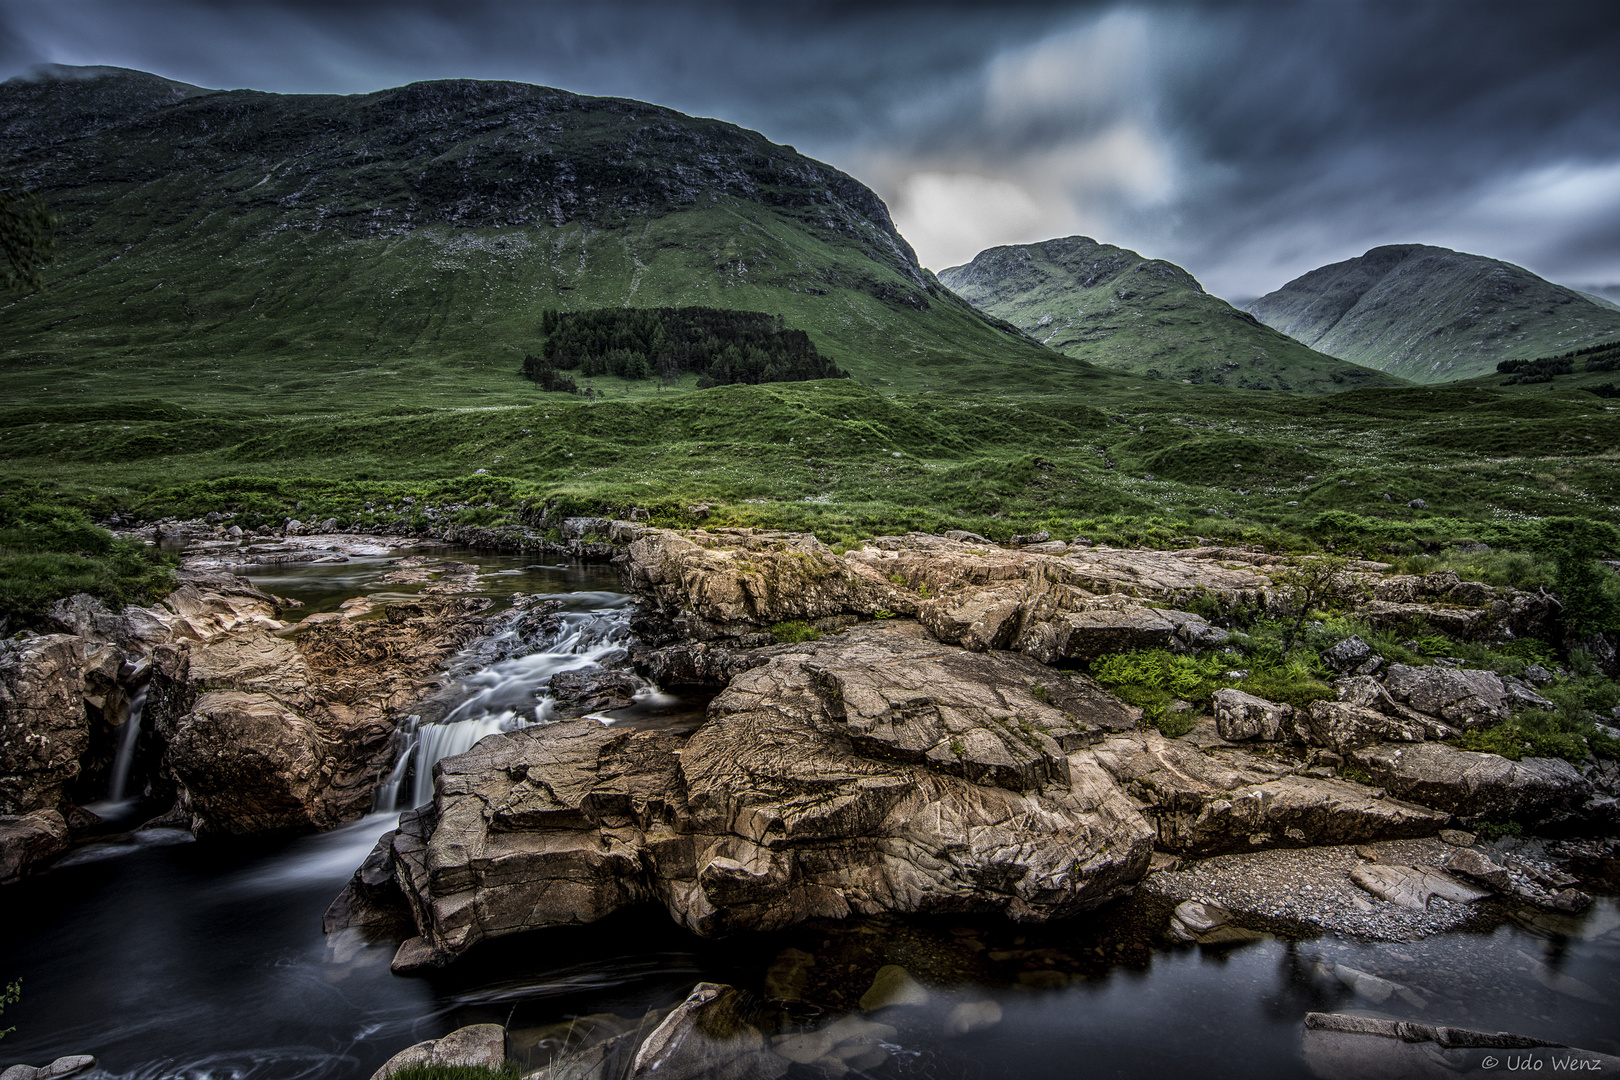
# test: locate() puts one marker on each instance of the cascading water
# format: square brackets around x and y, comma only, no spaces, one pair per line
[507,695]
[124,759]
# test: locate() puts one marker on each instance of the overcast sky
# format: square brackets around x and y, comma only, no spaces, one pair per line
[1249,142]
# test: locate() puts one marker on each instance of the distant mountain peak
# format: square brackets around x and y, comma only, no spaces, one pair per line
[1115,307]
[1431,314]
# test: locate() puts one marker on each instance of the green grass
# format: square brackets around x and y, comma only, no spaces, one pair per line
[456,1072]
[793,632]
[49,551]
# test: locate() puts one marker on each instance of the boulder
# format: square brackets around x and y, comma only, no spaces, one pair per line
[479,1046]
[1230,802]
[704,1037]
[1464,697]
[246,764]
[1240,716]
[30,838]
[1343,726]
[592,689]
[1348,655]
[1476,785]
[870,772]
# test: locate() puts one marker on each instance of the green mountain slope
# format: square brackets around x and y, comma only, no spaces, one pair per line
[1113,307]
[1431,315]
[317,251]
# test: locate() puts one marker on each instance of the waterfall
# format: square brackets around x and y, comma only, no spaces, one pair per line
[118,801]
[504,696]
[124,759]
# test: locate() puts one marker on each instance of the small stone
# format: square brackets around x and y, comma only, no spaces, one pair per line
[19,1072]
[971,1016]
[1457,838]
[1418,504]
[892,986]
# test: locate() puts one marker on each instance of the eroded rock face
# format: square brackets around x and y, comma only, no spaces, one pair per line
[1231,801]
[1476,785]
[818,787]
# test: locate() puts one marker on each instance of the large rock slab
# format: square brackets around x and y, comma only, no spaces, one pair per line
[29,838]
[1463,697]
[869,772]
[1477,785]
[1208,803]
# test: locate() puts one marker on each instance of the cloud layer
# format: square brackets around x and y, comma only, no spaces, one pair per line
[1247,141]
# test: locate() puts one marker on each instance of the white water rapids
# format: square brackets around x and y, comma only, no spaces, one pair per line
[509,694]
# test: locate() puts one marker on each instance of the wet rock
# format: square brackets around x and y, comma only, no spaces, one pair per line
[704,1036]
[592,690]
[970,1016]
[1463,697]
[696,663]
[788,975]
[480,1046]
[1475,785]
[846,1043]
[246,764]
[26,839]
[1200,923]
[893,986]
[1240,716]
[1413,887]
[1206,803]
[808,793]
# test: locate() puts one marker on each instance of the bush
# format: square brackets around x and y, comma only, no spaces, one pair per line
[49,551]
[1590,592]
[792,632]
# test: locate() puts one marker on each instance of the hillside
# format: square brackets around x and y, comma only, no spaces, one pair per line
[1111,306]
[319,251]
[1433,315]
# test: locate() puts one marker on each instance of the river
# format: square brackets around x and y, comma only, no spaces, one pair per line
[166,957]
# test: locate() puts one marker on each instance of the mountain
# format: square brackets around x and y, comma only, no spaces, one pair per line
[315,251]
[1431,315]
[1113,307]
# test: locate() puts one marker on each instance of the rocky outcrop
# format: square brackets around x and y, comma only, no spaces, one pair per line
[264,733]
[1078,605]
[1222,801]
[478,1046]
[873,772]
[1476,785]
[1463,697]
[43,731]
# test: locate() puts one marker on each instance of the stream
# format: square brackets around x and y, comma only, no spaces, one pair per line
[166,957]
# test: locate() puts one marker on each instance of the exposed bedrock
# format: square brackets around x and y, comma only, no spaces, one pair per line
[877,770]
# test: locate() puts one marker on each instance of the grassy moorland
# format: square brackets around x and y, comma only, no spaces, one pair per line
[319,307]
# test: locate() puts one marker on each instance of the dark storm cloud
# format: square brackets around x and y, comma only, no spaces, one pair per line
[1248,141]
